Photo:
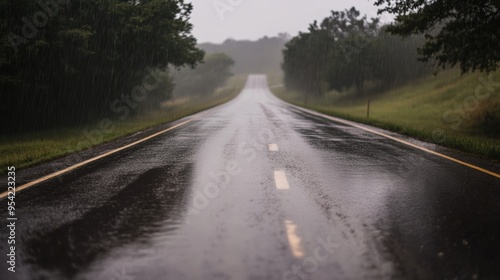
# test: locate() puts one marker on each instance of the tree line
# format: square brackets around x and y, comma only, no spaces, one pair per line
[259,56]
[457,32]
[349,51]
[205,78]
[70,62]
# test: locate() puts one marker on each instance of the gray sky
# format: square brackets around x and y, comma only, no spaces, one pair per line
[217,20]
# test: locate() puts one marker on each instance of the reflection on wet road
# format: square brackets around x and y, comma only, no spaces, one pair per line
[258,189]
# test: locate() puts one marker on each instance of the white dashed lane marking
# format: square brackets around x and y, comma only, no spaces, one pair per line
[280,180]
[273,148]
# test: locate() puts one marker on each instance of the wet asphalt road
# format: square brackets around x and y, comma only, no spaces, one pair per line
[212,200]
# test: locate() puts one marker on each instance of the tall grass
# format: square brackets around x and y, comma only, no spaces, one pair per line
[33,148]
[443,109]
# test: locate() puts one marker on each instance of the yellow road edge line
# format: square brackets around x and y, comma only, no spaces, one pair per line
[73,167]
[294,239]
[400,141]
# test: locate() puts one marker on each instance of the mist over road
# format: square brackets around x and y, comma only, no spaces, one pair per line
[259,189]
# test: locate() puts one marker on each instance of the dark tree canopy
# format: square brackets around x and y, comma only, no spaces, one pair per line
[67,61]
[459,32]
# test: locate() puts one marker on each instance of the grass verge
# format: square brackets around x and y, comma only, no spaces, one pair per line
[445,109]
[29,149]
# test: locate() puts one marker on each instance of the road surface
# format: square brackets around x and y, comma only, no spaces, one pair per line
[259,189]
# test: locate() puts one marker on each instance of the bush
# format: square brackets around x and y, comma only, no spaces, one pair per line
[487,118]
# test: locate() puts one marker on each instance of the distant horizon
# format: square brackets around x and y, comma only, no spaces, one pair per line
[238,40]
[216,21]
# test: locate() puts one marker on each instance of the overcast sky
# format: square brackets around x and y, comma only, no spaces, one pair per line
[216,20]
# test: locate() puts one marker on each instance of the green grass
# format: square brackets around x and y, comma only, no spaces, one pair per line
[419,110]
[30,149]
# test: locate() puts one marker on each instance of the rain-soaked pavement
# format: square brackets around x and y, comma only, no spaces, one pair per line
[213,200]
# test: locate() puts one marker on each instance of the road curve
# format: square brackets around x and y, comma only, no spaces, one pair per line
[259,189]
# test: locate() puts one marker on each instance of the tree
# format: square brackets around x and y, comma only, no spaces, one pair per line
[65,63]
[305,60]
[332,55]
[354,35]
[348,50]
[456,31]
[394,60]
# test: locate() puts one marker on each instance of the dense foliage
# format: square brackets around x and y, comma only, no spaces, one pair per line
[347,50]
[66,62]
[456,31]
